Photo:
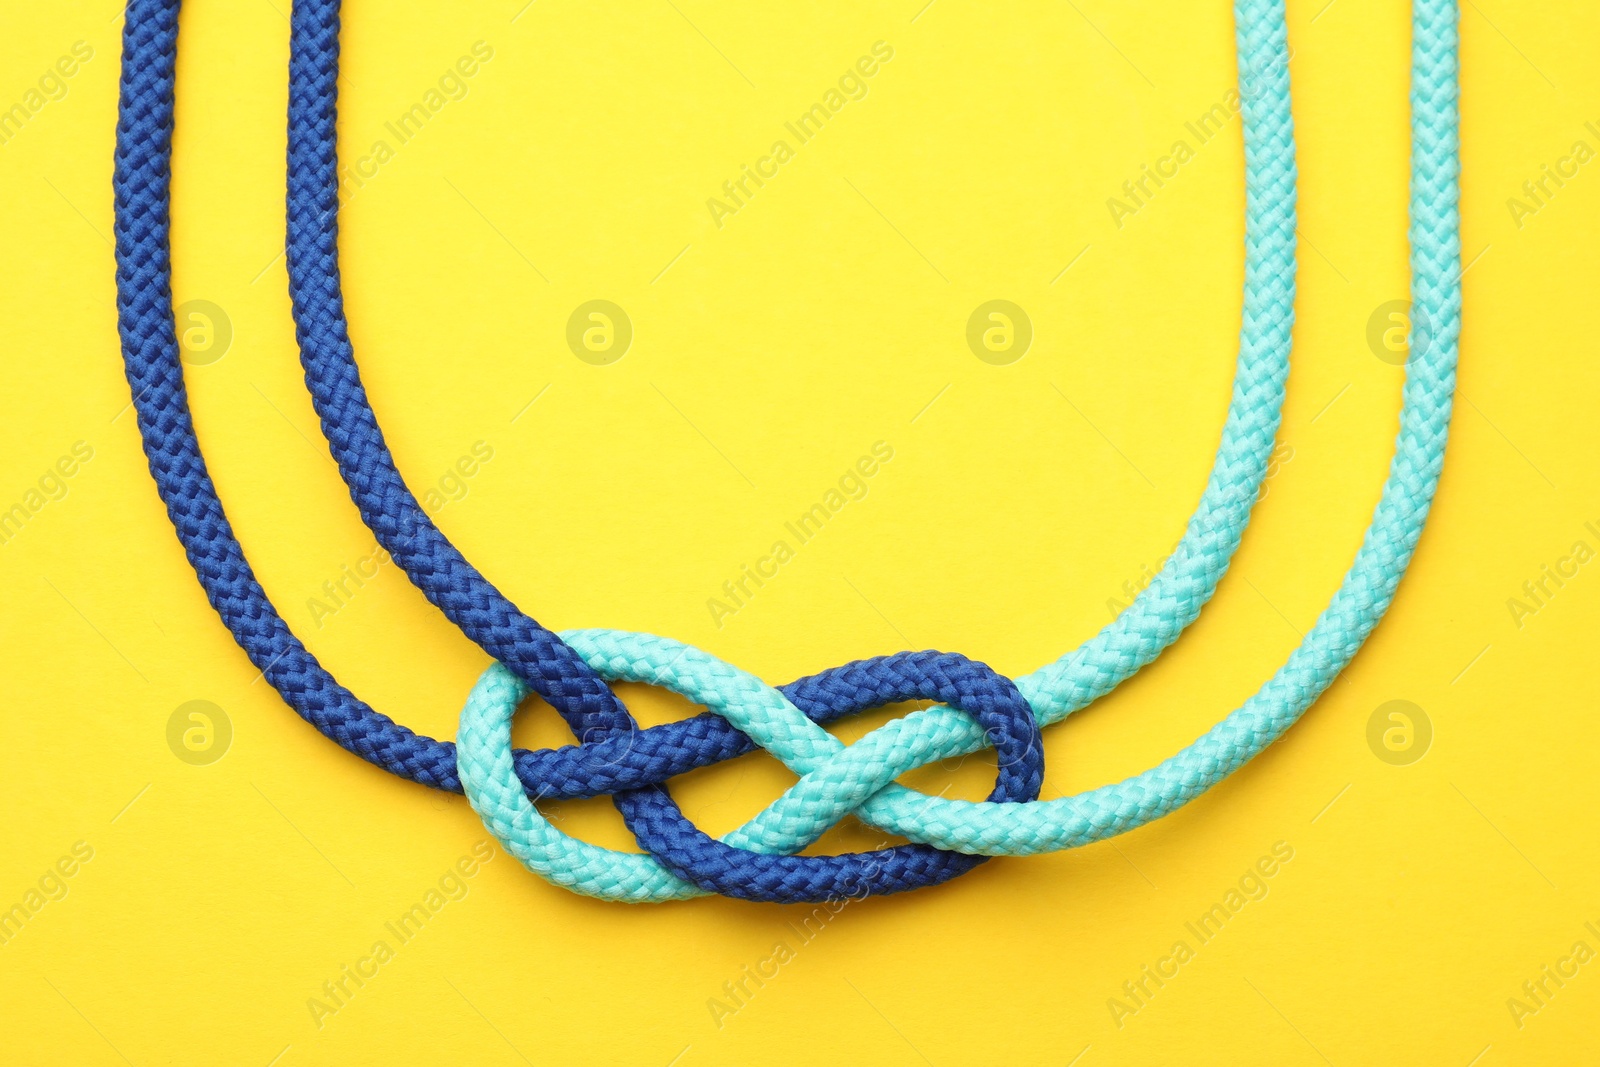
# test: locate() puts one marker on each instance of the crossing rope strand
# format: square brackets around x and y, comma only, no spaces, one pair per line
[1158,615]
[618,758]
[1041,826]
[1172,601]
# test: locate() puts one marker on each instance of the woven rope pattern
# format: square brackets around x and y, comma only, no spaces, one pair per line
[621,758]
[827,792]
[151,357]
[776,720]
[179,470]
[1158,615]
[1368,587]
[1356,607]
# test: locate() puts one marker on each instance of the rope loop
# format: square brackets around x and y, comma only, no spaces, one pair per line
[619,759]
[777,720]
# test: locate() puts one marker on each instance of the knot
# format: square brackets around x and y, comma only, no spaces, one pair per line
[631,763]
[754,862]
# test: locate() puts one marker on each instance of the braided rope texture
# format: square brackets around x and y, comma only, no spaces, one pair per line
[776,721]
[1370,584]
[155,376]
[1168,605]
[151,356]
[1355,609]
[335,714]
[833,789]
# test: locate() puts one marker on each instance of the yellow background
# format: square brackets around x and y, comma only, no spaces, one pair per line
[768,355]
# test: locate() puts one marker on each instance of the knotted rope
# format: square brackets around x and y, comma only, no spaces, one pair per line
[632,762]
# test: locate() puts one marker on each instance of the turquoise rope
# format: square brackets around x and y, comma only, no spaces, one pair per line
[758,710]
[835,786]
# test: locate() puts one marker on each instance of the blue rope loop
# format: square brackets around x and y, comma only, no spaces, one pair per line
[629,761]
[993,702]
[611,759]
[539,657]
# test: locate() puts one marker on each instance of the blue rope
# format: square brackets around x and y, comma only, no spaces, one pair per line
[620,765]
[831,787]
[542,660]
[400,524]
[620,759]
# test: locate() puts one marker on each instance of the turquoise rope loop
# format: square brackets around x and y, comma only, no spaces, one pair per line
[758,710]
[822,796]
